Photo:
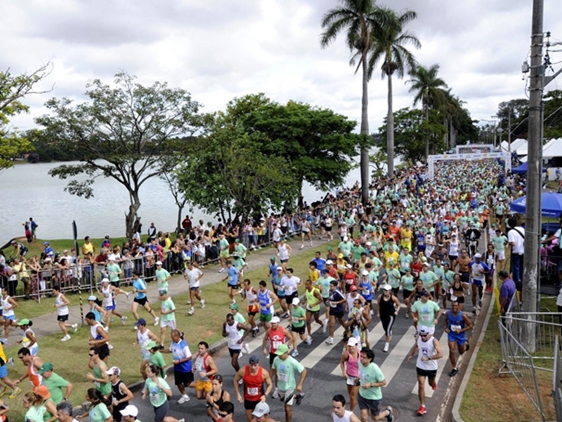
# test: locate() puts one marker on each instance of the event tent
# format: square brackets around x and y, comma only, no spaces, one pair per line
[553,148]
[551,204]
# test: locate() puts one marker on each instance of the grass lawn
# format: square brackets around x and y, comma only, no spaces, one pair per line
[71,358]
[489,397]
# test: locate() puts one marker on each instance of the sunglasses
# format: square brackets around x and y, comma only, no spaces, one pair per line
[91,355]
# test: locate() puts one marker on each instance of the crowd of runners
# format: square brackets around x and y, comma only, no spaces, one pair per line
[416,250]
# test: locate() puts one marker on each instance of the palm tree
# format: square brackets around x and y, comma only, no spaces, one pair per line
[359,19]
[391,47]
[430,91]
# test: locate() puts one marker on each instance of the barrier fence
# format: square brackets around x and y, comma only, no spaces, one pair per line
[529,344]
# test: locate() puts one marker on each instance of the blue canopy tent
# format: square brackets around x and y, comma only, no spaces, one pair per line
[551,204]
[523,168]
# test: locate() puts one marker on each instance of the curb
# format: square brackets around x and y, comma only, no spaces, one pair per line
[460,393]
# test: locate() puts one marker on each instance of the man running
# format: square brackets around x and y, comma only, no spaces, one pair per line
[232,330]
[428,350]
[370,392]
[478,272]
[276,336]
[193,274]
[340,414]
[182,360]
[284,367]
[456,326]
[252,377]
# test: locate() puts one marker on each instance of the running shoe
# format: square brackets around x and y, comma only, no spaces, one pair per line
[299,398]
[202,304]
[324,327]
[406,315]
[11,361]
[188,302]
[221,270]
[123,320]
[156,321]
[191,311]
[308,341]
[246,348]
[75,327]
[182,335]
[65,338]
[15,393]
[467,346]
[294,353]
[385,349]
[454,372]
[390,416]
[434,386]
[128,294]
[422,410]
[106,329]
[330,340]
[275,393]
[302,246]
[3,391]
[109,346]
[183,399]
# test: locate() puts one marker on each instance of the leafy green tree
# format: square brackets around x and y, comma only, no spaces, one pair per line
[227,174]
[12,90]
[122,132]
[429,90]
[318,143]
[553,114]
[411,131]
[516,111]
[362,21]
[390,47]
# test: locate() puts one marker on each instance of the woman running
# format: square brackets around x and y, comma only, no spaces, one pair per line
[387,310]
[349,365]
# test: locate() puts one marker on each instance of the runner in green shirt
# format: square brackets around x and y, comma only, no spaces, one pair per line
[298,321]
[370,392]
[168,319]
[284,366]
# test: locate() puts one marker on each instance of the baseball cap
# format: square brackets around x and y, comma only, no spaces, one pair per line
[272,258]
[329,262]
[353,288]
[151,345]
[158,262]
[260,410]
[234,306]
[282,350]
[275,320]
[352,341]
[279,268]
[348,266]
[105,280]
[47,366]
[423,330]
[477,255]
[425,264]
[296,301]
[46,243]
[254,359]
[92,297]
[114,370]
[340,256]
[130,410]
[24,321]
[365,272]
[140,321]
[387,287]
[42,391]
[345,238]
[425,293]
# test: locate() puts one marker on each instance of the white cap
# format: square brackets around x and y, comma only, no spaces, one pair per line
[329,262]
[260,410]
[365,272]
[387,287]
[105,280]
[158,262]
[130,410]
[275,320]
[345,238]
[296,301]
[477,255]
[352,341]
[348,266]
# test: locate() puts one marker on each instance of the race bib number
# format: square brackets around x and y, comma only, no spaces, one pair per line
[283,377]
[426,318]
[252,391]
[276,344]
[455,327]
[232,342]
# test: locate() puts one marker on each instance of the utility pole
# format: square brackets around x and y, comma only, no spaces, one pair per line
[509,129]
[534,172]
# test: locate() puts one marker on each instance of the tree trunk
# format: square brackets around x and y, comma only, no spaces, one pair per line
[365,131]
[426,110]
[390,131]
[131,216]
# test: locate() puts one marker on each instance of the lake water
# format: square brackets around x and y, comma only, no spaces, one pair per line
[27,190]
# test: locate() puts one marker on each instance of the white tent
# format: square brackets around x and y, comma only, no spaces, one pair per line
[517,144]
[553,148]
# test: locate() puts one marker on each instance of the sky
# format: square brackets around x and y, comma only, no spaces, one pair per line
[222,49]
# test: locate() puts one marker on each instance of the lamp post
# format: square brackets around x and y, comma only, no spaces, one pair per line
[500,131]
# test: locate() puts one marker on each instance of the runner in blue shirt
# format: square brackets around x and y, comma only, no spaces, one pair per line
[140,290]
[232,275]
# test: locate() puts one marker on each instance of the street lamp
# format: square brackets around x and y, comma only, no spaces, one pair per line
[500,131]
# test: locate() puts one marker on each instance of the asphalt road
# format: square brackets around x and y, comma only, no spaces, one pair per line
[324,377]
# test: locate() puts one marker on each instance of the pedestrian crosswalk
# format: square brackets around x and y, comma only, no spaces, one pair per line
[390,363]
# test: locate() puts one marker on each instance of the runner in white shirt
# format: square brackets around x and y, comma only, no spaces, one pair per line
[61,303]
[193,275]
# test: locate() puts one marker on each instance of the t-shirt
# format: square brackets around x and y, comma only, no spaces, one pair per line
[515,236]
[428,278]
[168,305]
[157,359]
[98,413]
[139,284]
[35,414]
[298,312]
[286,372]
[55,383]
[113,271]
[370,374]
[233,275]
[426,312]
[181,351]
[507,290]
[156,394]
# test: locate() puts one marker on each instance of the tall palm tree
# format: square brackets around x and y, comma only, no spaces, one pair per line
[391,48]
[359,19]
[430,91]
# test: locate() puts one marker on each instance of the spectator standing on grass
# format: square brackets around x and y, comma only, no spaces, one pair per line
[61,304]
[507,291]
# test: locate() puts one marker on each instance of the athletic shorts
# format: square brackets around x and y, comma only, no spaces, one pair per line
[62,318]
[171,324]
[250,405]
[234,351]
[183,378]
[104,351]
[253,310]
[298,330]
[141,301]
[477,283]
[114,283]
[289,298]
[460,339]
[453,257]
[10,317]
[234,286]
[110,308]
[374,406]
[336,314]
[272,357]
[406,294]
[225,253]
[287,396]
[426,373]
[500,255]
[464,277]
[194,288]
[266,317]
[284,261]
[160,412]
[3,371]
[312,311]
[205,386]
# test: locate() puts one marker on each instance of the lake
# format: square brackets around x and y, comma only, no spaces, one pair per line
[28,191]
